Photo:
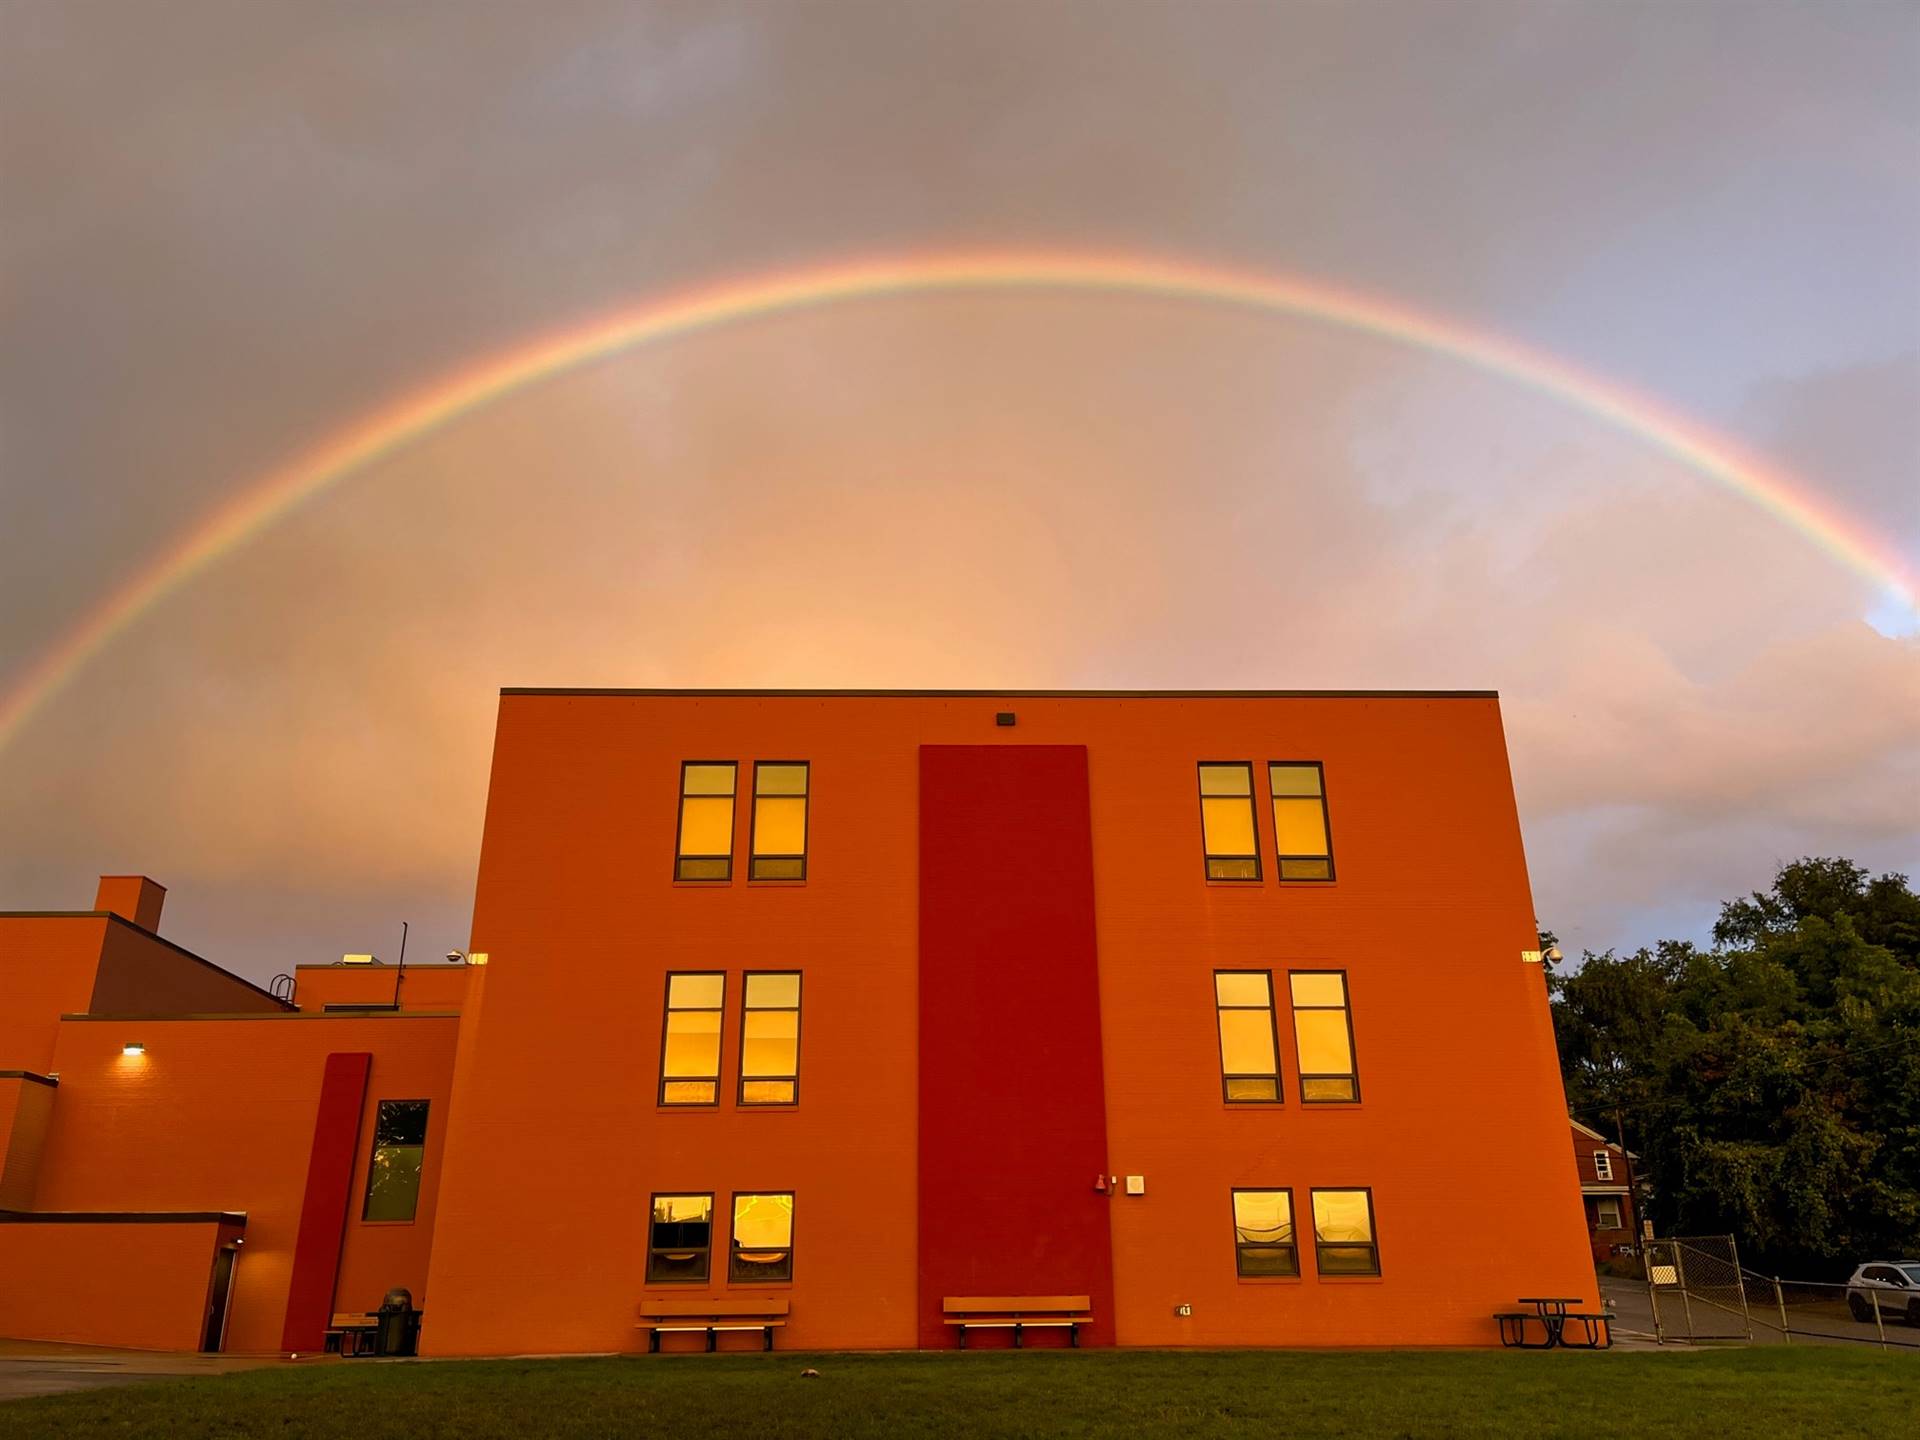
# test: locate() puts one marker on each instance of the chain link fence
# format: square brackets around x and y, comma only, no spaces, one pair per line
[1699,1291]
[1839,1314]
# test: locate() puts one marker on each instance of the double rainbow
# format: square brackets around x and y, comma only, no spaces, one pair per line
[422,411]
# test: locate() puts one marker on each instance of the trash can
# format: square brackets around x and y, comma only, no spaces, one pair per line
[397,1331]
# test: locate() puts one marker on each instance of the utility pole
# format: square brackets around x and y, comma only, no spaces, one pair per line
[1626,1163]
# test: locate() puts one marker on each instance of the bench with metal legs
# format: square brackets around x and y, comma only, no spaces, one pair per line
[1018,1313]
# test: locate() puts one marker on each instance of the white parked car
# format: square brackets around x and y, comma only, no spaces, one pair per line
[1896,1283]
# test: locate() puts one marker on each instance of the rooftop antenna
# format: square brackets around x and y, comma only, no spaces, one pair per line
[401,973]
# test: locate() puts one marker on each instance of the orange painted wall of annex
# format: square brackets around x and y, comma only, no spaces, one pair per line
[65,964]
[219,1115]
[142,1286]
[47,969]
[1460,1132]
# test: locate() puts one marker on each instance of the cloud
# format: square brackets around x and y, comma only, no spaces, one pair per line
[957,492]
[234,228]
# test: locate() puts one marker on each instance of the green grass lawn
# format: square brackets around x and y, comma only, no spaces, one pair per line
[1775,1391]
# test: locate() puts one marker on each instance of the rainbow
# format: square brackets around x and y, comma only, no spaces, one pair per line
[440,402]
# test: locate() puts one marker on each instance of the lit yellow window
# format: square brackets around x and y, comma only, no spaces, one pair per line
[1249,1061]
[1300,846]
[1323,1031]
[1343,1233]
[1226,820]
[770,1039]
[705,849]
[690,1053]
[779,821]
[762,1239]
[1263,1233]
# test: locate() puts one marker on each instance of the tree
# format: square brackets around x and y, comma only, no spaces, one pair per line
[1772,1084]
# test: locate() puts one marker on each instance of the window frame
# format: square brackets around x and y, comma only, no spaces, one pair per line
[1602,1165]
[1372,1242]
[1279,1065]
[680,825]
[706,1271]
[733,1220]
[1326,825]
[806,826]
[1353,1050]
[1241,1246]
[720,1049]
[1600,1204]
[798,1010]
[1207,857]
[373,1155]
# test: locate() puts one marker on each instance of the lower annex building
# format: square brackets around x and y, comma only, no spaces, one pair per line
[1214,1018]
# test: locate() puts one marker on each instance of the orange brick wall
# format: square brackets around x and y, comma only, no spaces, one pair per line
[218,1115]
[578,912]
[26,1105]
[1459,1128]
[47,969]
[1459,1134]
[142,1286]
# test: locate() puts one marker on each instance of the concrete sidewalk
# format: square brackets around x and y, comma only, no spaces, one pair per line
[32,1367]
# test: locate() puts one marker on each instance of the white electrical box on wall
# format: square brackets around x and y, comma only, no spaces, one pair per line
[1136,1184]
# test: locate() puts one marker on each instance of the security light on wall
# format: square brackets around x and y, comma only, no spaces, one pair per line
[133,1047]
[359,960]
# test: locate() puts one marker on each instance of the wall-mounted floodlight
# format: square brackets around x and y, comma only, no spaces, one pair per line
[359,960]
[133,1047]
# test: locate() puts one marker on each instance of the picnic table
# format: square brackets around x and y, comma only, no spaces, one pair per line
[1552,1312]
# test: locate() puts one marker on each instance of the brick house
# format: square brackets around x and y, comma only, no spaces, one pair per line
[1607,1188]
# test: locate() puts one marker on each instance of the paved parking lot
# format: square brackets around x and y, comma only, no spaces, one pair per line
[29,1367]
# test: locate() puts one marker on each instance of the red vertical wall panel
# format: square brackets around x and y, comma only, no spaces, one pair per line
[1012,1109]
[323,1212]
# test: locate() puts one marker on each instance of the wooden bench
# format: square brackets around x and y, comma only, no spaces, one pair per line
[1018,1313]
[711,1316]
[351,1332]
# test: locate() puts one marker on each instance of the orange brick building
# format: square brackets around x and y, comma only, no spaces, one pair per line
[1214,1013]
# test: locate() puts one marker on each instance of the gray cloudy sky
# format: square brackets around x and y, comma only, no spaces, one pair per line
[227,229]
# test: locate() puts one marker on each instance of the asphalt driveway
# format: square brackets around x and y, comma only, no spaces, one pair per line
[30,1367]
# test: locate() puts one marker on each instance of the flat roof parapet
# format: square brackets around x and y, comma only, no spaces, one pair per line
[1013,694]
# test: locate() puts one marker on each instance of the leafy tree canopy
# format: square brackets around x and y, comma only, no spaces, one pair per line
[1770,1085]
